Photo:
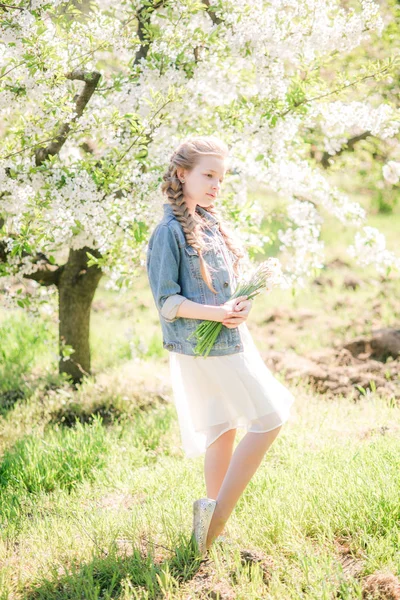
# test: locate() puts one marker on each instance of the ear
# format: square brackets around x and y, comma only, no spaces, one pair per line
[180,173]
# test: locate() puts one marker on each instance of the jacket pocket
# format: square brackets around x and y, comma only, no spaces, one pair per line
[191,251]
[193,259]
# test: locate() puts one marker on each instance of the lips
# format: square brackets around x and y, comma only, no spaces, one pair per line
[211,195]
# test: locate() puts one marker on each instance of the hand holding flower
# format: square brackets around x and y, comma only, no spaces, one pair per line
[239,314]
[236,310]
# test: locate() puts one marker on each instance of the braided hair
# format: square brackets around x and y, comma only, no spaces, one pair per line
[186,156]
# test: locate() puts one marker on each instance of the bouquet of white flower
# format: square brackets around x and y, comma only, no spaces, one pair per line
[266,276]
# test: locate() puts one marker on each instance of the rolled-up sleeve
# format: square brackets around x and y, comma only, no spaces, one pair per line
[163,258]
[171,305]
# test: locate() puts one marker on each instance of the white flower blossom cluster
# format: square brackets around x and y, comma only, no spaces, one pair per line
[303,213]
[341,120]
[391,172]
[293,179]
[297,31]
[369,248]
[276,277]
[302,250]
[102,190]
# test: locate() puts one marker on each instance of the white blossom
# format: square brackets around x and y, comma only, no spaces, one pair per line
[229,80]
[369,248]
[391,171]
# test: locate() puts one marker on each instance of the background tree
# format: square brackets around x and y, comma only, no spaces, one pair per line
[95,97]
[340,143]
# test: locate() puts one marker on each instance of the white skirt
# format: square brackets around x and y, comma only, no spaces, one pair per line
[218,393]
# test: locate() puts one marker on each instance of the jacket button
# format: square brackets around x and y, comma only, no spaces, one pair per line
[226,283]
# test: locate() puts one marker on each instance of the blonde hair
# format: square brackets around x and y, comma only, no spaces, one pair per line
[186,156]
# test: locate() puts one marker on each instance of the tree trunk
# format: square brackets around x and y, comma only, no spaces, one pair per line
[76,288]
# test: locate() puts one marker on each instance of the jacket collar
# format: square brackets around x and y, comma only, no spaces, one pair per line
[199,209]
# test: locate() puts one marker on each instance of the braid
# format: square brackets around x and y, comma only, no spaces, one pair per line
[185,156]
[190,225]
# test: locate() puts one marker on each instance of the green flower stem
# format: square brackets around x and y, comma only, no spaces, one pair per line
[208,331]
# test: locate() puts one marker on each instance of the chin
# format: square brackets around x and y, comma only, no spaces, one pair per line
[206,202]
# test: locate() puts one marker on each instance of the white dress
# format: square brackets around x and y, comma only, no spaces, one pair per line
[215,393]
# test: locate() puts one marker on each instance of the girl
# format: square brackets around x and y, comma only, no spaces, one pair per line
[192,264]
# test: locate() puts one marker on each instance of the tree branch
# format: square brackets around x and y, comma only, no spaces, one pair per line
[325,95]
[349,145]
[46,273]
[143,17]
[91,80]
[10,6]
[11,69]
[216,20]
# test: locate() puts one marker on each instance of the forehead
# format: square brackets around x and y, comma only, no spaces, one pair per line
[217,164]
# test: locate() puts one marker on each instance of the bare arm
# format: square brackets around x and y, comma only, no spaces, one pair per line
[208,312]
[195,310]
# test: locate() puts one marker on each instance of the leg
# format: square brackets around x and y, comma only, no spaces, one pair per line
[216,462]
[245,461]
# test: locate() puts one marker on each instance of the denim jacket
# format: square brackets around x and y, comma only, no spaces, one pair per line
[173,270]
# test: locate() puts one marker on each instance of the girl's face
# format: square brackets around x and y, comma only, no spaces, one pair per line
[203,183]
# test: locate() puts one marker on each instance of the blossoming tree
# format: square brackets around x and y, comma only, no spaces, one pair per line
[94,97]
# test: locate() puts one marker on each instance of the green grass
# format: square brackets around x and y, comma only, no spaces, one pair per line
[23,341]
[63,458]
[122,529]
[96,493]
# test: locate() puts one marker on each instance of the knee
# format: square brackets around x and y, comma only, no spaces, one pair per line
[270,435]
[275,432]
[228,437]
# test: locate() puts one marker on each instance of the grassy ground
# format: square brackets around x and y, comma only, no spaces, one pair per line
[103,510]
[96,494]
